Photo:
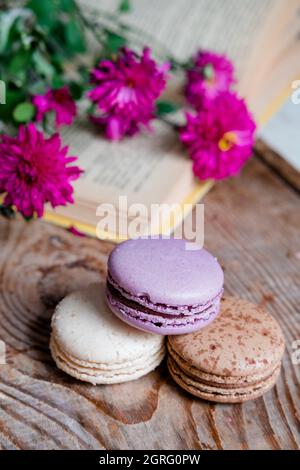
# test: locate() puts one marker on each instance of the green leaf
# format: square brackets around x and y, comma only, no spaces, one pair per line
[43,66]
[13,97]
[84,73]
[37,88]
[67,5]
[27,218]
[27,41]
[114,42]
[7,211]
[91,108]
[166,107]
[24,112]
[18,66]
[124,6]
[19,61]
[57,82]
[74,37]
[7,21]
[76,90]
[58,60]
[46,11]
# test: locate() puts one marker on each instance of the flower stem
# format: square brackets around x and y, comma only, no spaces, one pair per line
[117,26]
[91,25]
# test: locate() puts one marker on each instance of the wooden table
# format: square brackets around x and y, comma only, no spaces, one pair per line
[252,224]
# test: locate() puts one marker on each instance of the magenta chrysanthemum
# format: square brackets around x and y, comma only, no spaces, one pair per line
[219,137]
[60,102]
[125,92]
[35,170]
[210,75]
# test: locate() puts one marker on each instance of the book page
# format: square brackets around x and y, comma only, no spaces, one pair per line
[184,26]
[135,167]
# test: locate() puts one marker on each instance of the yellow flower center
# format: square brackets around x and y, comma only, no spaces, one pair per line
[228,140]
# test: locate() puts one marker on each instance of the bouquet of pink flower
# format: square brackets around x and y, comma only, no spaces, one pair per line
[123,88]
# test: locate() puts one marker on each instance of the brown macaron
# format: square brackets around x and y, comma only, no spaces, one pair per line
[234,359]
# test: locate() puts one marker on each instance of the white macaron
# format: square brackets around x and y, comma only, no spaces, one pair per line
[91,344]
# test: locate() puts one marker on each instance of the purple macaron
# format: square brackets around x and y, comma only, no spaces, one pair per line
[159,285]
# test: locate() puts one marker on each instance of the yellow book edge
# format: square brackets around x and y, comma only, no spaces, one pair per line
[275,105]
[198,193]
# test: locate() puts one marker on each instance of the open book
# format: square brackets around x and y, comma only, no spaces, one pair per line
[262,39]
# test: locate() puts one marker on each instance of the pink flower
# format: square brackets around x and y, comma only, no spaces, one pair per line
[75,231]
[210,75]
[219,137]
[35,170]
[125,92]
[60,101]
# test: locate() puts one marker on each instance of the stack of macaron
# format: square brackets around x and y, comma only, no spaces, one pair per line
[91,344]
[220,350]
[237,358]
[163,285]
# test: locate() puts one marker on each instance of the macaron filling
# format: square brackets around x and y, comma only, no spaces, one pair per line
[93,370]
[238,393]
[138,311]
[156,307]
[215,380]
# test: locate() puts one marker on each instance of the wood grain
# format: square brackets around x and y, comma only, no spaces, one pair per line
[252,225]
[278,164]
